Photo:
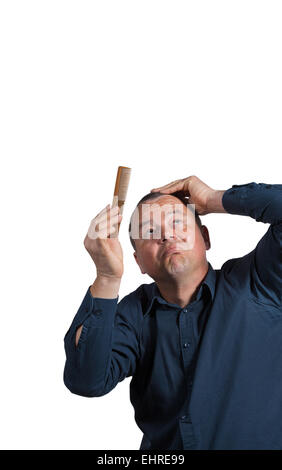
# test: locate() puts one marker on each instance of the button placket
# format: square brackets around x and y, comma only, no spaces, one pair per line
[186,332]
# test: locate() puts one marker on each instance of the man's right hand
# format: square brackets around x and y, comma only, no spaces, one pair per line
[106,252]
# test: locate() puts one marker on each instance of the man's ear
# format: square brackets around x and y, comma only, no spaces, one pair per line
[137,261]
[206,236]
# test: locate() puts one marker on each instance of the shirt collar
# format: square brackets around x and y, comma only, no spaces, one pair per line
[153,292]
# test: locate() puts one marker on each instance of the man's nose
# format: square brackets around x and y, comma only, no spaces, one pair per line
[168,233]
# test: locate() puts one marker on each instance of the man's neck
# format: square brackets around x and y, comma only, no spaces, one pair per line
[183,291]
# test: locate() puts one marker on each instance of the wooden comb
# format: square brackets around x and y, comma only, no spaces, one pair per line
[121,187]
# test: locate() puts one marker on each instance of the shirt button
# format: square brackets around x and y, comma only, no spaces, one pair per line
[185,310]
[186,345]
[183,417]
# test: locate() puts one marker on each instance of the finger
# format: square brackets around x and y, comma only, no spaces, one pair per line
[100,234]
[108,223]
[106,231]
[113,233]
[166,185]
[169,188]
[103,210]
[101,226]
[101,213]
[107,219]
[110,212]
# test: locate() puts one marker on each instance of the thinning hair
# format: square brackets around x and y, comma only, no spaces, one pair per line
[178,194]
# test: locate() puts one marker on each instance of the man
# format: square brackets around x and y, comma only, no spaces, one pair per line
[203,346]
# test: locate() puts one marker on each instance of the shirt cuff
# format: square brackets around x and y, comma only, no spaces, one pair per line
[94,310]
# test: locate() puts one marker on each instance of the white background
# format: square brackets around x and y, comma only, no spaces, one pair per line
[168,88]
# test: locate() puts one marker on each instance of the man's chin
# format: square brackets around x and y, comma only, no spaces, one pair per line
[176,263]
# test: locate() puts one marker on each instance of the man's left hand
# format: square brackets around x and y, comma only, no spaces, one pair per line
[198,192]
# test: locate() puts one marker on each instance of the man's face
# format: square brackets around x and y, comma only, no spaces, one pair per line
[169,243]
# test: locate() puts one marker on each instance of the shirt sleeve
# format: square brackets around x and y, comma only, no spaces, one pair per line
[108,347]
[262,202]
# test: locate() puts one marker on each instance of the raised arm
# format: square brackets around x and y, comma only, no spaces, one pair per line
[262,202]
[102,343]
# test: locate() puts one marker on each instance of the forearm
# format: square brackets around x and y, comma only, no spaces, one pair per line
[214,203]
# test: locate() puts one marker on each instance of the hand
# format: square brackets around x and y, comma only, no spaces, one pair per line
[198,192]
[106,252]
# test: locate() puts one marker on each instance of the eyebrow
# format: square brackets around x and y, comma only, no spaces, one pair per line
[169,213]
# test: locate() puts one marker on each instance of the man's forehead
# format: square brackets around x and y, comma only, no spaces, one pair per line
[162,204]
[162,200]
[155,211]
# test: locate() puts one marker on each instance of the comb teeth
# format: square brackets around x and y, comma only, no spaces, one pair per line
[121,186]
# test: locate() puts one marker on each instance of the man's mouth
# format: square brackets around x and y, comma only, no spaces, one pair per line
[171,250]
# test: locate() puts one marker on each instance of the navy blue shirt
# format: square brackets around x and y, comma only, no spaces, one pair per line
[206,376]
